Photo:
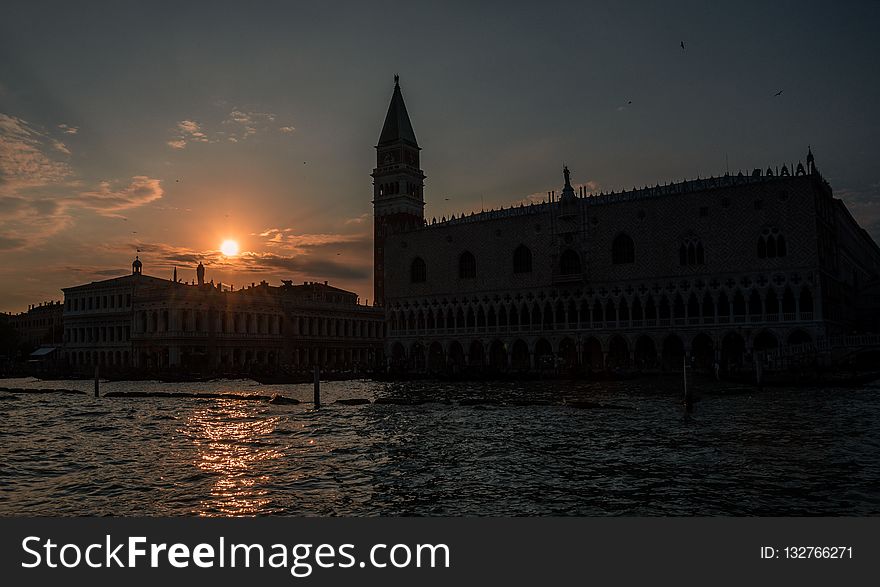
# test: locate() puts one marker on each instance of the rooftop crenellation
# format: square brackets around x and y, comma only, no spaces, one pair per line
[601,198]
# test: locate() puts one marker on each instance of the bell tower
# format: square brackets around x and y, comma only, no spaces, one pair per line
[398,185]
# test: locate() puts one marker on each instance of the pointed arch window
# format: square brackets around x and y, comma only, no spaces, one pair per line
[691,252]
[467,266]
[522,260]
[771,244]
[418,272]
[623,250]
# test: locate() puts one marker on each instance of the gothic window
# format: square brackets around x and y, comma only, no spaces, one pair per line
[569,263]
[418,271]
[691,252]
[467,266]
[622,250]
[771,244]
[522,260]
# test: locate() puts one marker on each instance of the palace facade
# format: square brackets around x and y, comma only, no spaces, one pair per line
[40,325]
[713,268]
[139,322]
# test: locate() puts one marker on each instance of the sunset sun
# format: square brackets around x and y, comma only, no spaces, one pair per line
[229,248]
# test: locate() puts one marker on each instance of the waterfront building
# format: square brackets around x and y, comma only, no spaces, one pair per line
[713,268]
[139,322]
[39,325]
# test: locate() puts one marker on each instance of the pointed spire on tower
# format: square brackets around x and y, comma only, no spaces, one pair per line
[397,125]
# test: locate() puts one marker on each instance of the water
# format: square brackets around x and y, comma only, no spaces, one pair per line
[781,452]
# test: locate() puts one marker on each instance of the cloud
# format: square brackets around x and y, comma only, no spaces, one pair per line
[25,161]
[160,257]
[365,217]
[188,126]
[67,129]
[287,240]
[248,117]
[39,192]
[108,200]
[237,124]
[28,221]
[242,123]
[592,186]
[314,267]
[280,252]
[10,243]
[111,272]
[31,180]
[59,146]
[187,131]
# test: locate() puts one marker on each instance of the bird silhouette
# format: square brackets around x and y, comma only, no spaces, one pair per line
[682,45]
[779,93]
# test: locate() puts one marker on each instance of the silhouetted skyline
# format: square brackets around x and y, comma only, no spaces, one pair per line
[171,128]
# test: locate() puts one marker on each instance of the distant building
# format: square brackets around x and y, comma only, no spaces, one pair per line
[141,322]
[40,325]
[715,268]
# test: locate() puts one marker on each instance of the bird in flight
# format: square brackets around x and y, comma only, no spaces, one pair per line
[779,93]
[682,45]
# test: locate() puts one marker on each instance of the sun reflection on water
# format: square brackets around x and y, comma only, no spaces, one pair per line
[230,445]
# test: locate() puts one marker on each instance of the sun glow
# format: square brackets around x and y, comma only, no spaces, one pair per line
[229,248]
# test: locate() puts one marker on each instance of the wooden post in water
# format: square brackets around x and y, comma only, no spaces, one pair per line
[688,403]
[684,374]
[97,383]
[317,386]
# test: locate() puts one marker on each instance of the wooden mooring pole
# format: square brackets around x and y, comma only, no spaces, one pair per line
[317,386]
[97,383]
[688,400]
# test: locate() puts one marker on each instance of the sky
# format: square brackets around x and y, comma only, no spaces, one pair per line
[170,127]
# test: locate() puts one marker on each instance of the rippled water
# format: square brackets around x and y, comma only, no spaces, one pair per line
[781,452]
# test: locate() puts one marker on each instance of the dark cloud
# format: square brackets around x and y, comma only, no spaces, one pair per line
[112,272]
[307,266]
[10,243]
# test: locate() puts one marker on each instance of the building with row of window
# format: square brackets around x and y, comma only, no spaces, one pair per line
[40,325]
[715,268]
[139,322]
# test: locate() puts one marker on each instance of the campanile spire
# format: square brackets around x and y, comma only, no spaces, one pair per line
[398,184]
